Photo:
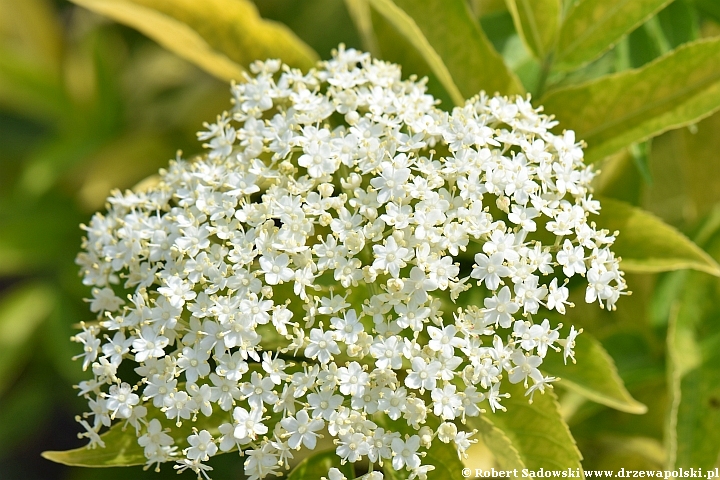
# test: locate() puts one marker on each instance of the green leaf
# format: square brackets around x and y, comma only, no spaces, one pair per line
[121,447]
[594,376]
[317,465]
[121,450]
[679,23]
[359,11]
[537,430]
[694,374]
[22,311]
[594,26]
[220,36]
[29,89]
[647,244]
[612,112]
[443,456]
[711,8]
[452,43]
[537,23]
[686,185]
[506,455]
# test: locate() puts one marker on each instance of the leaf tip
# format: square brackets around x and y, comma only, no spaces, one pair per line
[51,455]
[637,408]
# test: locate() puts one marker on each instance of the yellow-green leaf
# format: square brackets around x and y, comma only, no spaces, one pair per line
[612,112]
[317,465]
[647,244]
[685,184]
[121,447]
[441,455]
[537,23]
[22,310]
[694,375]
[220,36]
[359,11]
[506,455]
[594,26]
[594,376]
[537,430]
[452,43]
[409,30]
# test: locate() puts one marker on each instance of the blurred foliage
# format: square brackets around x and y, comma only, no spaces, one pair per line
[88,105]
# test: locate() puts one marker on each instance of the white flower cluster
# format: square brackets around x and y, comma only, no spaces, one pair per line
[345,258]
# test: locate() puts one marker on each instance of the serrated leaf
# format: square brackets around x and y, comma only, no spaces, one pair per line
[537,22]
[220,36]
[594,376]
[317,465]
[22,311]
[612,112]
[452,43]
[506,455]
[694,369]
[537,430]
[592,27]
[647,244]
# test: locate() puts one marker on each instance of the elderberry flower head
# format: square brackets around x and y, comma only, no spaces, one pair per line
[345,256]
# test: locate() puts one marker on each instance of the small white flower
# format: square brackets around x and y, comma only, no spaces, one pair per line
[301,430]
[405,452]
[202,446]
[149,344]
[248,425]
[490,269]
[322,346]
[276,269]
[121,400]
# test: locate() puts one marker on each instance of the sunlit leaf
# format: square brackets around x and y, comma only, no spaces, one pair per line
[317,465]
[452,43]
[359,11]
[536,430]
[31,29]
[22,311]
[506,455]
[220,36]
[614,452]
[29,89]
[122,449]
[694,440]
[593,26]
[443,456]
[593,376]
[537,23]
[614,111]
[647,244]
[406,26]
[398,48]
[686,182]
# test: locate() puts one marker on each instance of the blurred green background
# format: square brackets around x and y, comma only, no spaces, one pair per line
[88,105]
